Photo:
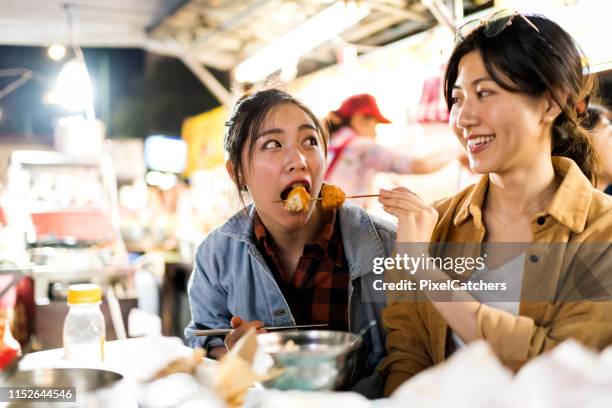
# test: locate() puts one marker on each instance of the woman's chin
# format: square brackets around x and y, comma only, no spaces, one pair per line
[293,221]
[294,224]
[483,166]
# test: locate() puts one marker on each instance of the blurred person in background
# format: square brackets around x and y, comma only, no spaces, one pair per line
[598,123]
[354,157]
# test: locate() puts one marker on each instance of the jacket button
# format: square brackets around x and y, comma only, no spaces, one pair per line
[280,312]
[541,220]
[533,258]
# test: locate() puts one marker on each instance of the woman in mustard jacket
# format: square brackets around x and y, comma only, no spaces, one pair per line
[517,94]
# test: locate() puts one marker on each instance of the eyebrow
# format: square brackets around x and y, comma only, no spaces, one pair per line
[305,126]
[476,81]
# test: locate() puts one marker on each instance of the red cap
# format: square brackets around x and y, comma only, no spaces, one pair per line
[361,103]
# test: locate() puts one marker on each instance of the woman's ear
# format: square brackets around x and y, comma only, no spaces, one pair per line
[229,166]
[236,178]
[552,107]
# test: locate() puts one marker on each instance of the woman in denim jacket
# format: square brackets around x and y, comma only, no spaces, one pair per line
[267,266]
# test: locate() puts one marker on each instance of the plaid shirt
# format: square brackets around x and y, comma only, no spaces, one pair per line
[317,292]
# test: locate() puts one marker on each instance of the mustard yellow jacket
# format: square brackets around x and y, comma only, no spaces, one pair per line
[418,335]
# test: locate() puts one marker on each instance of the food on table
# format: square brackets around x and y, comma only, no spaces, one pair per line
[333,197]
[235,374]
[233,378]
[181,365]
[297,200]
[290,347]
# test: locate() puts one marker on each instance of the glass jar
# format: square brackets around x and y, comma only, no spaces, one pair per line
[84,329]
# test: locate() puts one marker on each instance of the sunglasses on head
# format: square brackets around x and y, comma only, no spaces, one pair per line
[493,25]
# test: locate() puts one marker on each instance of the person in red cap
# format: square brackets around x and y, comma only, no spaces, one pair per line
[354,157]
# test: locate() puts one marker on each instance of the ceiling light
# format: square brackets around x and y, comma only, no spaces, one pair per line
[313,32]
[73,90]
[56,52]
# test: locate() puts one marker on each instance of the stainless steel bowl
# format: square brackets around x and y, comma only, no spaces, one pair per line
[83,379]
[89,387]
[317,359]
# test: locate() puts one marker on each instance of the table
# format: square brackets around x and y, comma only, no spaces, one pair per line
[134,358]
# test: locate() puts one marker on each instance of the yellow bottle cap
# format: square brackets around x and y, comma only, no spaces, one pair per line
[84,293]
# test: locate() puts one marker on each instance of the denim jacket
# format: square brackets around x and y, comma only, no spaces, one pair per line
[231,278]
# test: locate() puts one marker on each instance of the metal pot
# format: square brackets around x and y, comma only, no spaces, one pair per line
[314,360]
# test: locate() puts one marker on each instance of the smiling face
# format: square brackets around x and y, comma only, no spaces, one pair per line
[288,151]
[500,130]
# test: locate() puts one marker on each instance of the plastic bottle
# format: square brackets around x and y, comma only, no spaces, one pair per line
[84,329]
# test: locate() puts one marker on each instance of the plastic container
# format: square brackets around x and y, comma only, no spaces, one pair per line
[84,329]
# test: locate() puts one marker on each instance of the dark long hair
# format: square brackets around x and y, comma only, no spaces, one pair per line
[521,59]
[246,119]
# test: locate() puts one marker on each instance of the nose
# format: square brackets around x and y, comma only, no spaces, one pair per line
[466,116]
[295,160]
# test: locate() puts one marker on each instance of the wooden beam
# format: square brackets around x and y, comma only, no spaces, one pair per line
[214,86]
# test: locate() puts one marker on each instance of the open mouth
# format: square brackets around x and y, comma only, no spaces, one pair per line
[287,190]
[480,143]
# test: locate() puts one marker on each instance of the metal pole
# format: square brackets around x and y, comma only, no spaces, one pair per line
[458,10]
[204,75]
[441,13]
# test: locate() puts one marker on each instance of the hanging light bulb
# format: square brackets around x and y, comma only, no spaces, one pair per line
[73,90]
